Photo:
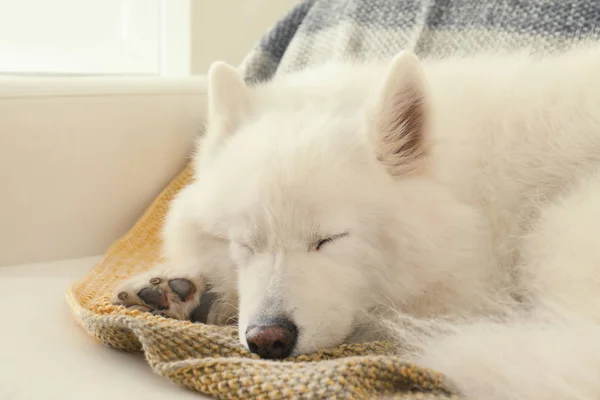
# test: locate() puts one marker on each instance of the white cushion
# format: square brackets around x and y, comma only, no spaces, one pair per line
[45,355]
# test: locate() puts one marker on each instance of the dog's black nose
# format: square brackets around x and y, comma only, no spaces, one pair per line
[273,338]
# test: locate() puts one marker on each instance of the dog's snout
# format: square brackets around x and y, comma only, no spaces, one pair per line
[272,339]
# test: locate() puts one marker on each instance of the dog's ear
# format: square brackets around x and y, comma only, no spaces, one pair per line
[228,97]
[399,117]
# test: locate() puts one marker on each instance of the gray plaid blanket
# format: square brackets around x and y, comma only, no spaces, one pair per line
[323,30]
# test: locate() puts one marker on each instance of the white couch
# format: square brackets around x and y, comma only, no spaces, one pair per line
[80,159]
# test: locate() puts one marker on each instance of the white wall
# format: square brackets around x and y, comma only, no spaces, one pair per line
[81,158]
[227,30]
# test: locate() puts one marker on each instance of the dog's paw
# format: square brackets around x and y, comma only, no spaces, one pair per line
[166,293]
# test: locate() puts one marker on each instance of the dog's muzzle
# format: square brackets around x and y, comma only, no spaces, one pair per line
[273,338]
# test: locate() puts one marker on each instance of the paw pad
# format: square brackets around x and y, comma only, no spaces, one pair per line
[175,298]
[183,288]
[154,297]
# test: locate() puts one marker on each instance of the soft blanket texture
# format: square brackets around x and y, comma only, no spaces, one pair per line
[319,31]
[209,359]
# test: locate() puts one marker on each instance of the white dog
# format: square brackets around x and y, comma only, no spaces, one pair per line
[456,200]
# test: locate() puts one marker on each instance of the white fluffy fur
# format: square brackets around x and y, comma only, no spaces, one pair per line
[470,192]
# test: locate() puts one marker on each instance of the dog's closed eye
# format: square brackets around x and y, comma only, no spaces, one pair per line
[246,246]
[319,244]
[241,250]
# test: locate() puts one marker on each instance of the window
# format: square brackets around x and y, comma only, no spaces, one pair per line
[105,37]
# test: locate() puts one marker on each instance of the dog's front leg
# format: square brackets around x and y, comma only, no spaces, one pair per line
[196,280]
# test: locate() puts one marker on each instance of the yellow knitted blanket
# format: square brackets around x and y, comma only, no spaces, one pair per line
[210,360]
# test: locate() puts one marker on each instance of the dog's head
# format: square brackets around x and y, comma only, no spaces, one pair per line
[305,191]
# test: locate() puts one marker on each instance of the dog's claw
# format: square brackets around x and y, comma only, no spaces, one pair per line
[155,281]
